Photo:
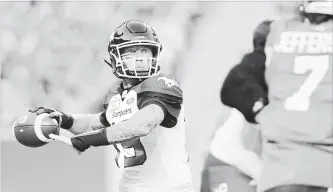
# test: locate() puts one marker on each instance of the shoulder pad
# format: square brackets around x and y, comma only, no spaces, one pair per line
[161,84]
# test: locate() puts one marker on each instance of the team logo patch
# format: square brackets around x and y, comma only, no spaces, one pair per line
[114,105]
[168,82]
[129,101]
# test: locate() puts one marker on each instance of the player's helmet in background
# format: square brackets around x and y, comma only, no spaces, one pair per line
[324,7]
[133,33]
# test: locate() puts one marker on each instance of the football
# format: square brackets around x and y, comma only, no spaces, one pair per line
[33,130]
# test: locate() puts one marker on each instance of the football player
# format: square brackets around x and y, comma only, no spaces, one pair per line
[297,122]
[234,162]
[143,116]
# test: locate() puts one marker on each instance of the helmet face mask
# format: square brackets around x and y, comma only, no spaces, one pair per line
[136,66]
[136,35]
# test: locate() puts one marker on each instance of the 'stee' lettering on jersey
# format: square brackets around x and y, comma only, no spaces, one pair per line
[305,42]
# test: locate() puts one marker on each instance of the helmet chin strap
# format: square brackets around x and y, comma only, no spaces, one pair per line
[107,62]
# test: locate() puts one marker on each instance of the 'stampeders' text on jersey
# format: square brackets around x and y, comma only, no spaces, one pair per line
[298,119]
[158,161]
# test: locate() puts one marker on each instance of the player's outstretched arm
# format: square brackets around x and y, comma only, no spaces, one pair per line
[140,124]
[75,123]
[86,122]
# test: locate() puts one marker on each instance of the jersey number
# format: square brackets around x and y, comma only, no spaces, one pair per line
[318,65]
[130,153]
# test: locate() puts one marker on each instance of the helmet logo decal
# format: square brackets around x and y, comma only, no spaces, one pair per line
[168,82]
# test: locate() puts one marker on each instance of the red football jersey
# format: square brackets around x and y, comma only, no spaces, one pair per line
[159,160]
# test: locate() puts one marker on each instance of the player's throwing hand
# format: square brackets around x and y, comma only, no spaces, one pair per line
[65,140]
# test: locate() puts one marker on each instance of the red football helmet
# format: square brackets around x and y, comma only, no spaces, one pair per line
[133,33]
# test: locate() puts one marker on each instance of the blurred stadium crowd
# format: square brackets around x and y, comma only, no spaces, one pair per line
[52,53]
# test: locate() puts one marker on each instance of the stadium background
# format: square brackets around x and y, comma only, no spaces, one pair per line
[52,53]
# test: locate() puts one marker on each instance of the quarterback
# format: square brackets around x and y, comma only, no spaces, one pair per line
[143,116]
[297,123]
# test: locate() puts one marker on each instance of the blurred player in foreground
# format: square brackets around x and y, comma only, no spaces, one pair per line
[234,162]
[297,123]
[143,116]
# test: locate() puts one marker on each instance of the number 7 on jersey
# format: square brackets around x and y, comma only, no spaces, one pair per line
[318,65]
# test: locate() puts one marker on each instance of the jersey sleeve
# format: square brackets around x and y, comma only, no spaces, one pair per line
[165,92]
[245,85]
